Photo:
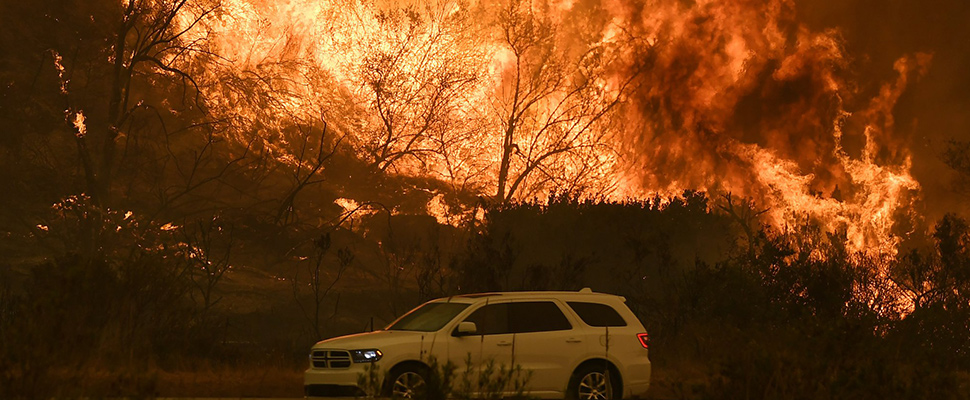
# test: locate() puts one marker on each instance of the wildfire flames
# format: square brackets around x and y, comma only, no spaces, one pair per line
[624,98]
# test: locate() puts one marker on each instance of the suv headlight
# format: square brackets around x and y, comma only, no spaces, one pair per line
[366,356]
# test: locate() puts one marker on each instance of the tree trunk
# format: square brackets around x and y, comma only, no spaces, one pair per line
[503,172]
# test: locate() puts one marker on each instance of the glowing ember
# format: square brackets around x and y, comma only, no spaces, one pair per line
[78,122]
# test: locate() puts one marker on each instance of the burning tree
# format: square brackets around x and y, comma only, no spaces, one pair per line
[418,77]
[149,43]
[120,79]
[553,105]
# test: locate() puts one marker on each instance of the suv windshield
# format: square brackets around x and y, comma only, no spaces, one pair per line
[428,318]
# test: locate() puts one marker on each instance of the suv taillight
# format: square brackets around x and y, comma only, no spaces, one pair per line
[644,339]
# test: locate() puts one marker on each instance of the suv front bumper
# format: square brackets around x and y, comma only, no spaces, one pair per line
[332,382]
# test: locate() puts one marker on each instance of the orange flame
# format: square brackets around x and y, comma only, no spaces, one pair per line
[731,96]
[744,99]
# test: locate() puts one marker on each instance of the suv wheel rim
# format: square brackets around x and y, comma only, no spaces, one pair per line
[595,386]
[406,385]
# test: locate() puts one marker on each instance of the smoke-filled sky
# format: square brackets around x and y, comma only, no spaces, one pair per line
[935,109]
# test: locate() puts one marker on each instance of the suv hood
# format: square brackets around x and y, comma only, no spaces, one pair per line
[376,340]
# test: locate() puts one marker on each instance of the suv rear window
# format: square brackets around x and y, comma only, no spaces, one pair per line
[596,314]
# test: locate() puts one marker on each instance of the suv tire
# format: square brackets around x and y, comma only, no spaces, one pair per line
[406,382]
[594,382]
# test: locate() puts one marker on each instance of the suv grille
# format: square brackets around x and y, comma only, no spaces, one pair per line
[330,359]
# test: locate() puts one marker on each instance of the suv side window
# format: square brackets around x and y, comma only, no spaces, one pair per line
[491,319]
[537,316]
[596,314]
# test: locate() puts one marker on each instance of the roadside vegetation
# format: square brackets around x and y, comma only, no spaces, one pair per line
[770,315]
[450,381]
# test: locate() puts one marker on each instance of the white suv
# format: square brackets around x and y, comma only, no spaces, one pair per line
[577,345]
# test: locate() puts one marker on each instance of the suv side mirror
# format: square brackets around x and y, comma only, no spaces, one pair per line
[466,328]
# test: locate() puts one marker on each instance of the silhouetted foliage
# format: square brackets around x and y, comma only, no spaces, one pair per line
[73,314]
[568,243]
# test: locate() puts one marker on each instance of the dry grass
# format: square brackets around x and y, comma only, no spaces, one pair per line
[232,382]
[202,381]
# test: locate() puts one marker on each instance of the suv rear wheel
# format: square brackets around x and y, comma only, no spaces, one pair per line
[594,382]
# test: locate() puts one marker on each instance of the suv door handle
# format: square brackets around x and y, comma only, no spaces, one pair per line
[504,344]
[574,340]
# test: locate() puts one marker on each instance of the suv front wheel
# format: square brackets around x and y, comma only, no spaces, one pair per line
[405,382]
[594,382]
